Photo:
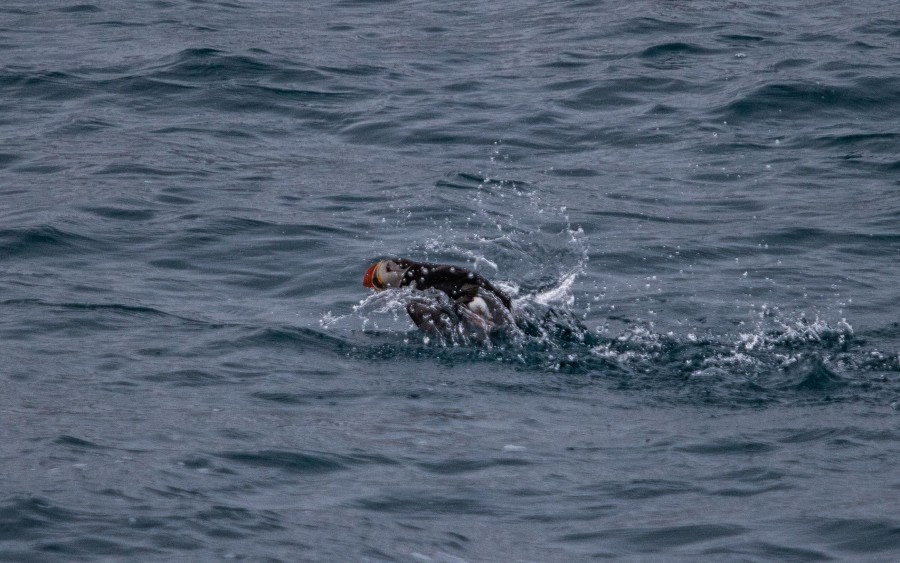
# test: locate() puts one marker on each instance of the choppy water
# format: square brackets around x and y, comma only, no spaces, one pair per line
[696,206]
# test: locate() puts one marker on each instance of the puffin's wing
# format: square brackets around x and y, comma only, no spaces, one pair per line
[478,302]
[466,293]
[431,317]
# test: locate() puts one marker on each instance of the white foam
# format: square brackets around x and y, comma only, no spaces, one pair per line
[560,294]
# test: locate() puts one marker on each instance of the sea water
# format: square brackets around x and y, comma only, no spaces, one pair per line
[695,207]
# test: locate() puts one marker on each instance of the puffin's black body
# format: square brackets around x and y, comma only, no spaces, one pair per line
[474,303]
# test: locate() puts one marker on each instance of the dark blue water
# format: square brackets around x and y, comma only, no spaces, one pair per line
[695,205]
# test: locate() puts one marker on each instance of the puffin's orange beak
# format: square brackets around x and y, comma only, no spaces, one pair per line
[369,278]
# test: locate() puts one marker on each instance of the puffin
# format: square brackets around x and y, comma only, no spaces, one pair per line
[465,303]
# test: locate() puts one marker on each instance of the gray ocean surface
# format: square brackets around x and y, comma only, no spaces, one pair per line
[695,206]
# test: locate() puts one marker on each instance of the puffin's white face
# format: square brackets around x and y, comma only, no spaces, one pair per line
[386,274]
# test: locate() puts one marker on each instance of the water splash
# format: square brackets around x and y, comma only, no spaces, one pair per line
[769,357]
[532,247]
[540,259]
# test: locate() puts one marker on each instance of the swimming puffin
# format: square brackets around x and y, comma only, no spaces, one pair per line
[474,306]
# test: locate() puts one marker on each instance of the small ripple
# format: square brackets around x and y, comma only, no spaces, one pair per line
[186,378]
[795,100]
[749,482]
[80,125]
[119,24]
[742,492]
[17,11]
[29,518]
[860,535]
[220,132]
[658,539]
[653,26]
[742,38]
[42,241]
[222,521]
[654,218]
[8,158]
[293,337]
[298,94]
[803,238]
[121,213]
[879,27]
[676,48]
[288,398]
[457,466]
[145,86]
[640,489]
[571,84]
[813,376]
[728,447]
[601,98]
[809,435]
[205,63]
[861,140]
[378,132]
[43,85]
[303,461]
[768,551]
[417,503]
[76,443]
[789,64]
[141,171]
[79,9]
[118,308]
[611,94]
